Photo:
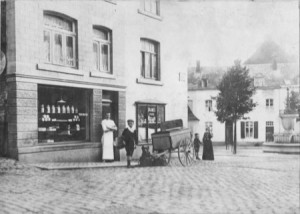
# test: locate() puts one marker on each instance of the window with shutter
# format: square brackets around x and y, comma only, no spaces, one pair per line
[242,130]
[256,129]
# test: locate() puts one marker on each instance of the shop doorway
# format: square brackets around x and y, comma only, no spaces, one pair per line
[110,105]
[228,134]
[269,131]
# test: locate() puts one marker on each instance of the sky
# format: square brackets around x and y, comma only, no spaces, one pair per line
[217,32]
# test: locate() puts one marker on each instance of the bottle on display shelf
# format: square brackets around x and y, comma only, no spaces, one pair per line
[63,109]
[76,110]
[68,109]
[48,109]
[77,127]
[72,109]
[42,108]
[58,109]
[53,109]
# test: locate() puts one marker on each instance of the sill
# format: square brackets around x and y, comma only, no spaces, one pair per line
[149,82]
[59,146]
[102,75]
[111,1]
[151,15]
[59,69]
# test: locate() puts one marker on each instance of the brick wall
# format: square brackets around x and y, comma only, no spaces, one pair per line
[122,112]
[22,115]
[96,115]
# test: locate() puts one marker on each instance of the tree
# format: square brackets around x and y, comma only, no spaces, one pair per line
[234,99]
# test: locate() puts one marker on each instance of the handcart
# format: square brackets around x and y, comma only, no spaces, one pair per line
[173,138]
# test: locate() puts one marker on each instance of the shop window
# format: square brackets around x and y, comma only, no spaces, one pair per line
[59,40]
[151,6]
[102,50]
[149,118]
[249,129]
[150,59]
[208,105]
[63,114]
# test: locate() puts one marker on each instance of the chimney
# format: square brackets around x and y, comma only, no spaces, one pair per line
[198,66]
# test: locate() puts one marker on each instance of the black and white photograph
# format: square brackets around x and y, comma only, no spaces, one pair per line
[149,107]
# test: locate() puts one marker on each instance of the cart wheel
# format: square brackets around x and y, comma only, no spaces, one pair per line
[186,153]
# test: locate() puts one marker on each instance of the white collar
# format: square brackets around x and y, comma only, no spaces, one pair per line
[131,129]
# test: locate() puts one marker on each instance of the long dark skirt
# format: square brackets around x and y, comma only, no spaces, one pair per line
[208,151]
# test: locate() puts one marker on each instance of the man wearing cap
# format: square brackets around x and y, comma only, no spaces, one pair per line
[130,138]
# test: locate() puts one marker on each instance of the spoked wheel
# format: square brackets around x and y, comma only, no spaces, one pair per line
[186,153]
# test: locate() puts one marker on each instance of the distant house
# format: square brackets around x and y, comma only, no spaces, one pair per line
[259,125]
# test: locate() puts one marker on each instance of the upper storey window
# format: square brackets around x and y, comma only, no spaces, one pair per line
[59,40]
[151,6]
[150,59]
[102,50]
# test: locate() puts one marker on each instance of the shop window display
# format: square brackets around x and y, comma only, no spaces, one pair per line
[149,118]
[63,114]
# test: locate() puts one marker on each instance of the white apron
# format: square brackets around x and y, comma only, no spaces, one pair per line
[107,142]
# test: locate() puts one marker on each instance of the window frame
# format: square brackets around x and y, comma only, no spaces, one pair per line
[99,42]
[249,125]
[269,102]
[152,54]
[147,105]
[208,105]
[144,4]
[64,35]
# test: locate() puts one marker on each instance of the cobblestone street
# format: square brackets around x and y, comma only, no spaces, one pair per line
[249,182]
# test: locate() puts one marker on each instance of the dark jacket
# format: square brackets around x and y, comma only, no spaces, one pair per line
[130,138]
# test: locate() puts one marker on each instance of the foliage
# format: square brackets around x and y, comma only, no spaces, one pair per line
[234,99]
[292,103]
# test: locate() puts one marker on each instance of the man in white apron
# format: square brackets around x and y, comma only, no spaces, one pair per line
[108,127]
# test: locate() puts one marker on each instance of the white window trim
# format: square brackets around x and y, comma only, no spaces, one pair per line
[111,1]
[98,74]
[156,15]
[207,105]
[269,103]
[152,53]
[251,124]
[100,42]
[64,33]
[142,80]
[150,15]
[59,69]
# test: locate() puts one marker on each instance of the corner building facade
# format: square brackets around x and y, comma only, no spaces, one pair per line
[70,62]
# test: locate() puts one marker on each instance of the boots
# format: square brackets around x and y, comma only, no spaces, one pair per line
[128,164]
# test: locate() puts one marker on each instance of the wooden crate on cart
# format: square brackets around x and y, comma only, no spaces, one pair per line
[174,137]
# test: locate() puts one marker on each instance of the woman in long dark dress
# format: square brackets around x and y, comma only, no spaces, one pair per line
[208,152]
[130,138]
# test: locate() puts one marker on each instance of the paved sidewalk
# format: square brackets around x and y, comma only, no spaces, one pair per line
[82,165]
[249,182]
